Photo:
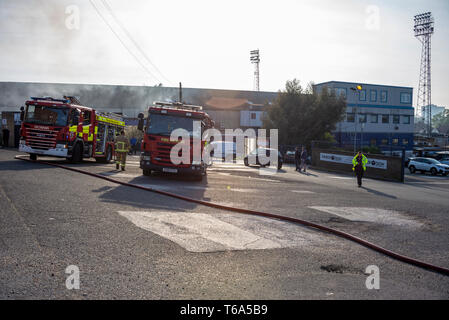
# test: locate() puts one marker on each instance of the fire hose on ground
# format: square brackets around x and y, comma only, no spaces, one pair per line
[391,254]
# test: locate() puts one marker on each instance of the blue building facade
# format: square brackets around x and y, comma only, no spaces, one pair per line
[376,115]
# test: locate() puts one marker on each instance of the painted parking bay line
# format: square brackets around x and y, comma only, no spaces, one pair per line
[376,215]
[200,232]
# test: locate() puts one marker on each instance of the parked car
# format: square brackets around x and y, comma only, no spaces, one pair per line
[267,153]
[407,161]
[289,156]
[428,165]
[227,150]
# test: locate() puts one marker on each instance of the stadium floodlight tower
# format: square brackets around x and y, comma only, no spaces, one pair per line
[255,58]
[423,31]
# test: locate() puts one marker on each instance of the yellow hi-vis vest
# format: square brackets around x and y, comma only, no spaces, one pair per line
[364,162]
[121,144]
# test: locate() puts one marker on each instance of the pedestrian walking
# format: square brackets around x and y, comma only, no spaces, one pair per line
[303,159]
[297,159]
[359,166]
[121,149]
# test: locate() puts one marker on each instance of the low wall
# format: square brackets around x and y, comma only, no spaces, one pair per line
[378,167]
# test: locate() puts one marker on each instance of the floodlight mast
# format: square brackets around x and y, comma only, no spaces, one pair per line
[424,28]
[255,59]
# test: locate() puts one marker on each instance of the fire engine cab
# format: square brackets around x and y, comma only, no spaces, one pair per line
[64,128]
[163,118]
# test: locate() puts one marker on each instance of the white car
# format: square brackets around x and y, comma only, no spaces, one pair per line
[225,149]
[428,165]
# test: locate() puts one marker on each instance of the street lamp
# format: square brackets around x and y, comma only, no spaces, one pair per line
[356,89]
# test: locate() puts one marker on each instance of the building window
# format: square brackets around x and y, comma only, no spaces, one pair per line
[406,97]
[374,118]
[373,96]
[350,117]
[373,142]
[341,92]
[362,95]
[404,142]
[384,141]
[395,141]
[385,118]
[253,116]
[406,119]
[396,119]
[383,96]
[362,117]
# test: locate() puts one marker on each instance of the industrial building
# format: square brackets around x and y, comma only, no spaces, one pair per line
[230,109]
[376,115]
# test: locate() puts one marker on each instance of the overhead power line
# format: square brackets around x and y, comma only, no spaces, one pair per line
[108,7]
[123,44]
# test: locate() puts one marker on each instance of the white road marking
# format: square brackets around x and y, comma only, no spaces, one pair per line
[120,174]
[246,177]
[342,178]
[382,216]
[199,232]
[302,191]
[180,187]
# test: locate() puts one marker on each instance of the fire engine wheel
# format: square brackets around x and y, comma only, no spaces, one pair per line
[147,172]
[33,156]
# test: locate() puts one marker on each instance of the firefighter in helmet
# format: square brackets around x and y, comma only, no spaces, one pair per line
[121,149]
[359,166]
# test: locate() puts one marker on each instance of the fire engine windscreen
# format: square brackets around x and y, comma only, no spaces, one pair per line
[164,124]
[44,115]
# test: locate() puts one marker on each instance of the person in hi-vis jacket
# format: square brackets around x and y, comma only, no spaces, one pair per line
[121,149]
[359,166]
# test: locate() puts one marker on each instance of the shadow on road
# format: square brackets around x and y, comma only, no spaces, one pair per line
[176,184]
[378,193]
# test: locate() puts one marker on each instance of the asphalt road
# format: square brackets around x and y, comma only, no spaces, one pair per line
[134,244]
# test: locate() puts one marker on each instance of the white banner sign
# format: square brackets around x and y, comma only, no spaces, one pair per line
[372,163]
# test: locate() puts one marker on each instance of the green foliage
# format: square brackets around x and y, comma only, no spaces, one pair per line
[302,116]
[132,131]
[441,121]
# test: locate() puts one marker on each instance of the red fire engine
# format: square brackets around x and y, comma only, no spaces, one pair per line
[65,128]
[162,119]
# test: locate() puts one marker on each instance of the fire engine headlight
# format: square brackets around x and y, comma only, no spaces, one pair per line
[61,146]
[146,158]
[196,163]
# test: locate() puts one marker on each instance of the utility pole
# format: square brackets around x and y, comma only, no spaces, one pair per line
[356,89]
[180,92]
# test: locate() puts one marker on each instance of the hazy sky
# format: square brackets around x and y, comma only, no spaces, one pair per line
[206,44]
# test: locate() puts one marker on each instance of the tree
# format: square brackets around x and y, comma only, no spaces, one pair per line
[441,122]
[302,116]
